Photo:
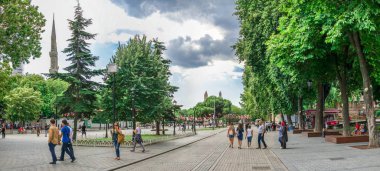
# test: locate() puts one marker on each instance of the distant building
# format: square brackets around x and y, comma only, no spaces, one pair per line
[205,96]
[19,70]
[220,94]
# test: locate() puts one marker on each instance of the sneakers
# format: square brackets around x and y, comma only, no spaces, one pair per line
[143,151]
[73,160]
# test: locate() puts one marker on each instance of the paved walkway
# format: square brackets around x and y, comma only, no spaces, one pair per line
[305,154]
[212,154]
[28,152]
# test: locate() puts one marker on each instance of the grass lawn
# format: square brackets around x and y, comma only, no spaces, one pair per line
[146,137]
[207,128]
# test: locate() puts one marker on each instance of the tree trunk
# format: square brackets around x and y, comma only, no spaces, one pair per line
[100,127]
[75,126]
[301,125]
[163,126]
[157,127]
[289,118]
[320,107]
[368,92]
[342,79]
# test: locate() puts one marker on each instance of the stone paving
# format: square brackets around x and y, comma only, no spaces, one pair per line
[29,152]
[316,154]
[212,154]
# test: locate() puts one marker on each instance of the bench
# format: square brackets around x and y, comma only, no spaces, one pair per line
[319,134]
[345,139]
[299,131]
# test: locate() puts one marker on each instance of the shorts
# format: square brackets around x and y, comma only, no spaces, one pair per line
[230,136]
[240,137]
[249,139]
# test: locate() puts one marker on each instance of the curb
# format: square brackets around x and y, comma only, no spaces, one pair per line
[138,161]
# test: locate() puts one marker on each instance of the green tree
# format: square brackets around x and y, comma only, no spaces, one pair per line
[23,104]
[142,81]
[20,31]
[80,96]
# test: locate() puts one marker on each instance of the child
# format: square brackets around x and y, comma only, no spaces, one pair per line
[248,135]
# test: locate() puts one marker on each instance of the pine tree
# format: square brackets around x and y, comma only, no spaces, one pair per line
[80,97]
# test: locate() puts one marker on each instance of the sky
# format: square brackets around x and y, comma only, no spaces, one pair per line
[198,35]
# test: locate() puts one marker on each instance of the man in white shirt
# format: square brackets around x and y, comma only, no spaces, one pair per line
[260,137]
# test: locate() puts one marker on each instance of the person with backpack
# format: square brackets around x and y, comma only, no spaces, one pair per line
[118,138]
[240,131]
[66,142]
[53,140]
[137,139]
[3,130]
[231,135]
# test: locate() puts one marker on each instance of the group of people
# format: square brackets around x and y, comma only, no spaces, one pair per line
[118,139]
[64,136]
[239,133]
[359,129]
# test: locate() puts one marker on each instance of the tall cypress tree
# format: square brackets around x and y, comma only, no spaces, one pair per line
[80,97]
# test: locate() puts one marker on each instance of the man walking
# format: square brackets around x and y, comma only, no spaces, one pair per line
[84,130]
[38,128]
[53,140]
[260,135]
[66,142]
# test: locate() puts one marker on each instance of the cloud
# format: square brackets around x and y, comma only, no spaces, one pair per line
[189,53]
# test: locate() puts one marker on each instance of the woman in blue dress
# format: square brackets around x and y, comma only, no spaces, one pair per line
[240,131]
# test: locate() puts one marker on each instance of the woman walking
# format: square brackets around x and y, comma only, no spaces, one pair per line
[137,139]
[231,134]
[261,135]
[117,137]
[240,131]
[248,135]
[282,135]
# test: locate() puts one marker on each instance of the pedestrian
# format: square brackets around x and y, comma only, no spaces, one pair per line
[66,142]
[137,139]
[83,127]
[248,135]
[283,135]
[260,137]
[231,134]
[70,146]
[240,131]
[53,140]
[38,128]
[118,138]
[3,130]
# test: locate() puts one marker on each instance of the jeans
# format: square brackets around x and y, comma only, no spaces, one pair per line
[117,148]
[68,148]
[139,141]
[52,151]
[261,138]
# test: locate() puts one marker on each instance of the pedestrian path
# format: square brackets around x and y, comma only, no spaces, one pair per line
[305,154]
[27,153]
[212,154]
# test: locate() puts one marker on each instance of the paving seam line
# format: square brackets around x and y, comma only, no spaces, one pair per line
[278,158]
[200,164]
[138,161]
[219,158]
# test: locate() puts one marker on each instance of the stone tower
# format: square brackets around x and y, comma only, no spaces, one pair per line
[220,94]
[205,96]
[53,52]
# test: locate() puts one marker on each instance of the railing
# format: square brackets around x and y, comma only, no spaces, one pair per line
[109,143]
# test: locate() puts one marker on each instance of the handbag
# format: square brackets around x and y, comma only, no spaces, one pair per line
[120,138]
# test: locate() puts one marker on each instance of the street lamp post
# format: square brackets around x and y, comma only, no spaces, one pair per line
[213,116]
[175,103]
[112,69]
[195,131]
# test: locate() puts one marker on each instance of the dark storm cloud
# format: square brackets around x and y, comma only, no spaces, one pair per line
[181,51]
[216,12]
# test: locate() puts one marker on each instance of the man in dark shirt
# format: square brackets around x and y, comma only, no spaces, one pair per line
[84,130]
[66,142]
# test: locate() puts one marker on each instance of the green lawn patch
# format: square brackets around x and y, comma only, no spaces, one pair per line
[145,137]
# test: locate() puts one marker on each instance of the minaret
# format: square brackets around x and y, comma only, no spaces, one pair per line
[205,96]
[53,52]
[220,94]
